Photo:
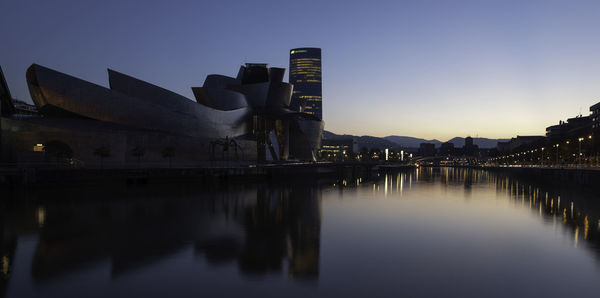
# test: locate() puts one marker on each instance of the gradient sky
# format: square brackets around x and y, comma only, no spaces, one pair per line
[431,69]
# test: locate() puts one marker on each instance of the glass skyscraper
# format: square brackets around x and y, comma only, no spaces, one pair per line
[305,75]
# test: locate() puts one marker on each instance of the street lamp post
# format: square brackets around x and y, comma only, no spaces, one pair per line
[542,156]
[579,162]
[556,154]
[568,151]
[589,137]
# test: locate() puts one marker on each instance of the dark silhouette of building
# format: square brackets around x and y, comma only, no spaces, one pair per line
[447,149]
[305,75]
[504,147]
[469,149]
[575,126]
[427,149]
[595,115]
[468,142]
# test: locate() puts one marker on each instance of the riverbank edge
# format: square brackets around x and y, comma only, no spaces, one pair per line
[581,176]
[46,177]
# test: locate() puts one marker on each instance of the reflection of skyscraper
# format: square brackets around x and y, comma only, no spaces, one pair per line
[284,224]
[305,75]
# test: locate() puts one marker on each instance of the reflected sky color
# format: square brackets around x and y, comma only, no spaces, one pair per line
[432,69]
[428,233]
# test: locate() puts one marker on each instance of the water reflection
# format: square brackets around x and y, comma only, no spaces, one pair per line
[270,229]
[262,229]
[574,207]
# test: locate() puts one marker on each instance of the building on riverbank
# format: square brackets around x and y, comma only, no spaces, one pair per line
[575,141]
[579,125]
[135,123]
[338,150]
[514,143]
[595,115]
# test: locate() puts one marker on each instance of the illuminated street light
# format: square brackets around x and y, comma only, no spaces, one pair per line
[580,139]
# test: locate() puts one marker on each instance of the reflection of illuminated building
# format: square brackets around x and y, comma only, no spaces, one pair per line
[561,209]
[572,208]
[8,245]
[305,75]
[265,228]
[283,224]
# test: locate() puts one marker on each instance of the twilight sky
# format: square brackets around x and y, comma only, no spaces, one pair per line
[431,69]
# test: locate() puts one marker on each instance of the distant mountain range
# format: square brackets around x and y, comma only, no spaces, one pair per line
[408,142]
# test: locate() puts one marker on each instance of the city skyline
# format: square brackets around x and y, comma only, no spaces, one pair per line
[492,70]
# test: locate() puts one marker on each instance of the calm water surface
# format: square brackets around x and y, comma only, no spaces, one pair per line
[426,233]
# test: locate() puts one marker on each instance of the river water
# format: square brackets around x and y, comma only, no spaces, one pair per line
[431,232]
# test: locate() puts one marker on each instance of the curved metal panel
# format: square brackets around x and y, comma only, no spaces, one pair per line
[256,94]
[255,75]
[305,136]
[219,81]
[220,99]
[240,73]
[276,74]
[133,87]
[280,95]
[52,88]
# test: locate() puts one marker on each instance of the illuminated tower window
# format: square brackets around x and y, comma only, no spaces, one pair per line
[305,75]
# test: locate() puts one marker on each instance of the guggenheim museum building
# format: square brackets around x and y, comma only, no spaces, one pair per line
[244,118]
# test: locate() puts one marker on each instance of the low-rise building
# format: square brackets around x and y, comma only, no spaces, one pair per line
[337,150]
[572,127]
[514,143]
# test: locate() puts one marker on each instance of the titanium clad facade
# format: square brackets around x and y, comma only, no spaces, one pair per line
[305,75]
[250,112]
[134,103]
